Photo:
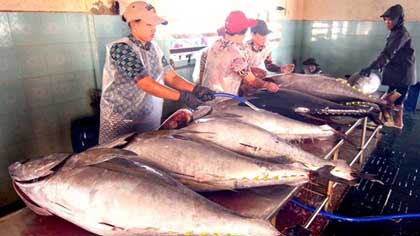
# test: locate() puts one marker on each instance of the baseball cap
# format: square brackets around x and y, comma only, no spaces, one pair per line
[236,22]
[261,28]
[140,10]
[310,61]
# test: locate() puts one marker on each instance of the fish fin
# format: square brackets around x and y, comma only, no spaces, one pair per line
[110,227]
[369,177]
[192,135]
[255,148]
[187,137]
[117,142]
[201,185]
[95,156]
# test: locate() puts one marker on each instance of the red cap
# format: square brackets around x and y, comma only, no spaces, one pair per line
[237,22]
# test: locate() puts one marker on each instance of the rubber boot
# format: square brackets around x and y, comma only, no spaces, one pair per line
[399,110]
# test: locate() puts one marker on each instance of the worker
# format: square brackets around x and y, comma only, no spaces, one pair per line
[260,52]
[134,72]
[228,59]
[201,58]
[398,62]
[310,66]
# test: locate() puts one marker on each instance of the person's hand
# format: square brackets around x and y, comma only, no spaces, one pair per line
[365,72]
[203,93]
[189,100]
[289,68]
[271,87]
[259,73]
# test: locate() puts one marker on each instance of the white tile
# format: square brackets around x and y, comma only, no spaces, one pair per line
[5,35]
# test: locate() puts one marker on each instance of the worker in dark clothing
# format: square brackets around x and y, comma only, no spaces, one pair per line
[397,60]
[310,66]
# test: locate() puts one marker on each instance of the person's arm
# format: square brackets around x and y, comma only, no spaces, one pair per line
[270,66]
[176,81]
[149,85]
[259,83]
[240,66]
[393,45]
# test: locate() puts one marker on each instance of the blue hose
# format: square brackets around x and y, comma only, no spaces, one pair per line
[357,219]
[232,96]
[237,98]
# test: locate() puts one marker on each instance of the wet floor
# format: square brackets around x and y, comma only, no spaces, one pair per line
[396,162]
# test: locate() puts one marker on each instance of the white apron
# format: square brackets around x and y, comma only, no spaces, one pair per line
[126,108]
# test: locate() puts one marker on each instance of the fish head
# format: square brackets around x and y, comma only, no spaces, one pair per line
[29,170]
[344,171]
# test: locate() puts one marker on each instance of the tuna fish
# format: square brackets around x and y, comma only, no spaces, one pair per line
[294,104]
[251,140]
[326,87]
[108,194]
[207,167]
[282,126]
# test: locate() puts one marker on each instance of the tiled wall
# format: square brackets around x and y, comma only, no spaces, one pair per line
[106,30]
[46,69]
[290,45]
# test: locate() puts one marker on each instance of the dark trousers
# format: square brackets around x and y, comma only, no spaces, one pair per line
[410,104]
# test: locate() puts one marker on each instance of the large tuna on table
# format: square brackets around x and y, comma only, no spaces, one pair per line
[250,140]
[207,167]
[295,104]
[282,126]
[326,87]
[105,193]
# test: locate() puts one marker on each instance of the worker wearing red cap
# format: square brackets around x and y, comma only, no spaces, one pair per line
[227,62]
[133,79]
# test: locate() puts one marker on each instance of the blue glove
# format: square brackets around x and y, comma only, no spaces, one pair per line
[365,71]
[203,93]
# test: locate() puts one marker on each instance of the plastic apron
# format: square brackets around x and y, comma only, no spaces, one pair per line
[126,108]
[224,59]
[257,58]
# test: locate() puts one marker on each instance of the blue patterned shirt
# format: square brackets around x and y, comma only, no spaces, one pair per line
[129,62]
